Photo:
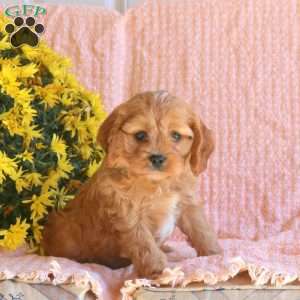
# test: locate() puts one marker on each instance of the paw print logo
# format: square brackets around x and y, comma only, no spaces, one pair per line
[27,33]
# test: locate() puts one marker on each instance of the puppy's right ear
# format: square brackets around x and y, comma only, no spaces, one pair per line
[105,132]
[202,147]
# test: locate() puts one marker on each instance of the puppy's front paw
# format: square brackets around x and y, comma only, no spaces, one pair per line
[152,265]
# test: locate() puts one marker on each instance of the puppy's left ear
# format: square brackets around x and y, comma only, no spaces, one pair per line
[202,147]
[105,132]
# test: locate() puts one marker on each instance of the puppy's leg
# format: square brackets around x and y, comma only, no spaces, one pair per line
[193,223]
[62,238]
[139,245]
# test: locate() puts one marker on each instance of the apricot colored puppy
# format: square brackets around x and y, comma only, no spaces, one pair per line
[156,147]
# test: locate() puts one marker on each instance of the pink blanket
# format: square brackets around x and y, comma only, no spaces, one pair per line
[238,63]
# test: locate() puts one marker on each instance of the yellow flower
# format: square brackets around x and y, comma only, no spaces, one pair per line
[33,82]
[33,178]
[12,120]
[4,43]
[31,132]
[26,156]
[18,119]
[62,197]
[7,166]
[67,97]
[15,236]
[93,125]
[70,122]
[23,97]
[19,180]
[97,108]
[27,70]
[12,126]
[39,205]
[93,166]
[82,132]
[50,94]
[37,231]
[40,146]
[64,167]
[56,69]
[8,79]
[2,177]
[85,151]
[31,53]
[51,181]
[58,145]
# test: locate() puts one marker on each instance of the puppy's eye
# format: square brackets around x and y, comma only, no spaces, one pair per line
[141,136]
[176,136]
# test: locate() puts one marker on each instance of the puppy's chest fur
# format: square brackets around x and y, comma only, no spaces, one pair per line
[169,222]
[162,215]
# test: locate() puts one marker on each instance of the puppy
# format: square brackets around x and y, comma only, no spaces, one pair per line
[156,147]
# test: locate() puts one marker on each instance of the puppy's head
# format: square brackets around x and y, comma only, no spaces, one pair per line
[155,135]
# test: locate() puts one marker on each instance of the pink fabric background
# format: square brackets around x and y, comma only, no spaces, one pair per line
[238,63]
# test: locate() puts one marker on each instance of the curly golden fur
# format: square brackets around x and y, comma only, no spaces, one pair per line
[156,147]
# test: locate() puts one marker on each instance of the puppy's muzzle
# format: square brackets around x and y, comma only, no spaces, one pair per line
[157,160]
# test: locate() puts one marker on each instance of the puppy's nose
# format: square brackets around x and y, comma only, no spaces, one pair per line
[157,160]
